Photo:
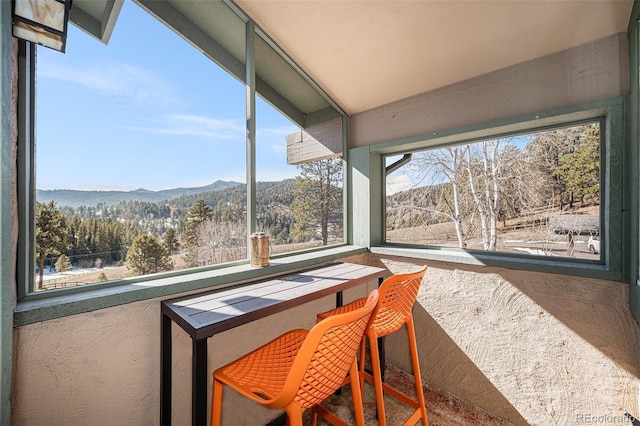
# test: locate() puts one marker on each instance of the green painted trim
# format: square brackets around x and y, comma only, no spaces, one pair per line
[614,248]
[632,161]
[243,15]
[282,103]
[248,74]
[366,177]
[377,190]
[358,197]
[250,77]
[28,312]
[346,185]
[633,18]
[7,268]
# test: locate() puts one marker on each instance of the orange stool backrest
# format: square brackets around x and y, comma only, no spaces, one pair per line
[397,296]
[325,357]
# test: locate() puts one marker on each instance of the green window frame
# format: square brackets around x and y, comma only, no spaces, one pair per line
[633,168]
[613,263]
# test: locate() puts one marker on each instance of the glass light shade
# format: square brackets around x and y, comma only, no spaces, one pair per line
[42,21]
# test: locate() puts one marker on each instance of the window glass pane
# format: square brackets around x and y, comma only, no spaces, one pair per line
[536,194]
[299,206]
[137,147]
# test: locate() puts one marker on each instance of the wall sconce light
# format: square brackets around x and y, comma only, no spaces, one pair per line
[42,21]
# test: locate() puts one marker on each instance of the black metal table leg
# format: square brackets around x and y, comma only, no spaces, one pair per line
[339,303]
[199,383]
[165,375]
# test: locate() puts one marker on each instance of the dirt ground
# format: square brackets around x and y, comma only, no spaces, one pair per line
[513,236]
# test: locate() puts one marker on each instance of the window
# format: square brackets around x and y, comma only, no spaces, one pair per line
[129,139]
[299,206]
[141,160]
[537,195]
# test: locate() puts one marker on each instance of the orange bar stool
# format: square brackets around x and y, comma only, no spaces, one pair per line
[299,369]
[394,309]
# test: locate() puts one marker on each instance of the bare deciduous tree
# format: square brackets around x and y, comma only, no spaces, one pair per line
[219,241]
[445,166]
[479,183]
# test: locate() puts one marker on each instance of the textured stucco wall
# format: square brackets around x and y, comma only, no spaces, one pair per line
[533,348]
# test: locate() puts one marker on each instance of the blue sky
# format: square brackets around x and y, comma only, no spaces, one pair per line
[145,111]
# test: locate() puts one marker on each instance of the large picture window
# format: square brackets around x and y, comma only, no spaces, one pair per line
[537,194]
[145,154]
[142,161]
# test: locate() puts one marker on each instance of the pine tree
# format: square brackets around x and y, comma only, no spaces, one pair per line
[63,264]
[51,232]
[147,256]
[197,215]
[170,240]
[580,169]
[317,204]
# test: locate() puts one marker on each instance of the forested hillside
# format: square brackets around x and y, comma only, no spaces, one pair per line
[200,225]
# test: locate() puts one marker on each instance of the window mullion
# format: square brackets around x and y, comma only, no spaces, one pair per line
[251,131]
[26,156]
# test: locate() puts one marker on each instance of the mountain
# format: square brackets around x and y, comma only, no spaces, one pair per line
[76,198]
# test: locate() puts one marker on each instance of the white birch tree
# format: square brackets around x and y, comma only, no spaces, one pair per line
[445,165]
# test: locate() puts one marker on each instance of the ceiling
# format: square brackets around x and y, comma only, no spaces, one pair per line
[366,53]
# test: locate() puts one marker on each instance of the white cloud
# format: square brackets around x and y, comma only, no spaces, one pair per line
[397,183]
[218,130]
[128,83]
[198,126]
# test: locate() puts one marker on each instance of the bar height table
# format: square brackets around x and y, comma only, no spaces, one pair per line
[202,315]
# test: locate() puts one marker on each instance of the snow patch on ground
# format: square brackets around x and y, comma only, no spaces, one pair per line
[537,252]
